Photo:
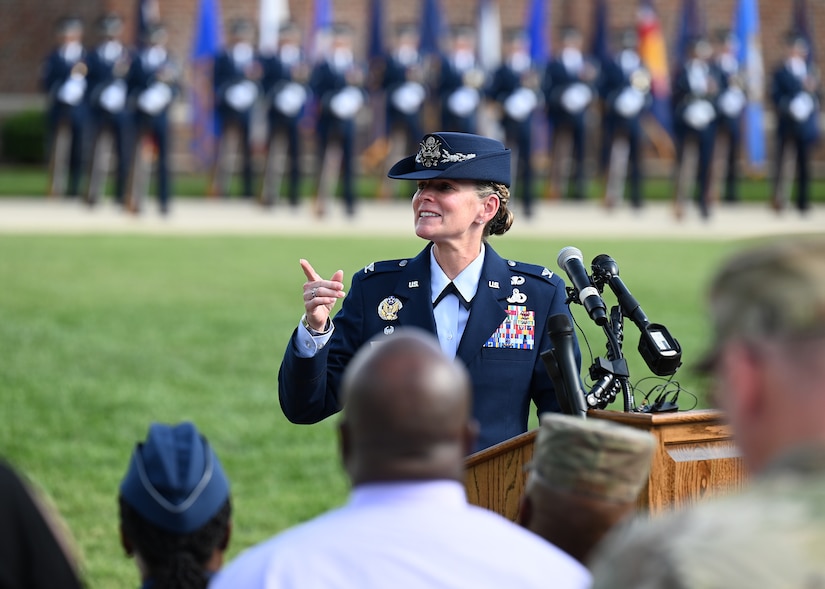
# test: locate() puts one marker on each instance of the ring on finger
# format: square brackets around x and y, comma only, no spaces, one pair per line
[312,292]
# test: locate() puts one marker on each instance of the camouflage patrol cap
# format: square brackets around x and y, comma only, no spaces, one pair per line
[592,457]
[775,290]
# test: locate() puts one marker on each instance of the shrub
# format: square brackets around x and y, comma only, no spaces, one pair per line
[23,137]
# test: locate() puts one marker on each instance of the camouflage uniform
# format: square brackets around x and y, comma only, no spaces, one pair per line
[772,534]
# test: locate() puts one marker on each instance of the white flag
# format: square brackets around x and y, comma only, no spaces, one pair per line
[273,14]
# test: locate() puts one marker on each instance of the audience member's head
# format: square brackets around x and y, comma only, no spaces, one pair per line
[767,307]
[35,549]
[585,477]
[406,412]
[175,508]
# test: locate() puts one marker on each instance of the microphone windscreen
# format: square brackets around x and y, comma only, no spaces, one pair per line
[568,253]
[559,323]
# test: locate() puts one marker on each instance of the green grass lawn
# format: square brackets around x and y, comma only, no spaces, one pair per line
[101,335]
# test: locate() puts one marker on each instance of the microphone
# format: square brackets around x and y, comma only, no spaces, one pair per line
[570,260]
[560,330]
[660,351]
[606,267]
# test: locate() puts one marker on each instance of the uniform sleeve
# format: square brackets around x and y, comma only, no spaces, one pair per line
[309,388]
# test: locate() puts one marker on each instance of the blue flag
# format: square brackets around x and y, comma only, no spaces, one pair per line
[600,48]
[432,28]
[375,47]
[537,31]
[749,54]
[800,26]
[206,42]
[691,25]
[321,26]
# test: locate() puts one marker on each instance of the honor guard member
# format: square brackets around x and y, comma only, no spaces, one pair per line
[694,95]
[175,508]
[624,86]
[460,82]
[730,104]
[404,87]
[794,92]
[237,72]
[514,86]
[106,92]
[569,89]
[153,83]
[64,81]
[285,79]
[488,312]
[337,82]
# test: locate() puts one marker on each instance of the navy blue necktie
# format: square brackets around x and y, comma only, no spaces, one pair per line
[451,289]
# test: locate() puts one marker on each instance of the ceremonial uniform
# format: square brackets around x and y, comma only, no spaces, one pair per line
[236,90]
[64,81]
[337,84]
[694,93]
[730,104]
[512,89]
[106,96]
[286,98]
[459,83]
[624,87]
[413,535]
[405,94]
[568,94]
[501,344]
[793,92]
[153,84]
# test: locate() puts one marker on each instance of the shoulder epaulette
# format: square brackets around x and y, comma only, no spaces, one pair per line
[531,269]
[385,266]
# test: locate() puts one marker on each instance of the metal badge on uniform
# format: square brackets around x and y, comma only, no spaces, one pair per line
[546,273]
[412,284]
[388,330]
[517,297]
[493,284]
[517,331]
[388,308]
[517,280]
[369,268]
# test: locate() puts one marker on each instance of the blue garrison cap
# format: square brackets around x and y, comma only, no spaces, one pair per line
[458,156]
[175,480]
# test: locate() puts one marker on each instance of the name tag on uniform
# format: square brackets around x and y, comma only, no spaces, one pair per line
[517,331]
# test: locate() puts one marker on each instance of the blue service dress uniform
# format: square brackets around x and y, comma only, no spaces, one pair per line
[153,84]
[730,104]
[458,86]
[510,87]
[797,111]
[235,95]
[64,81]
[332,84]
[567,96]
[624,92]
[501,345]
[694,94]
[405,95]
[286,99]
[106,97]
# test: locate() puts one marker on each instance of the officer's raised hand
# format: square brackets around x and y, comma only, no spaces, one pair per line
[320,296]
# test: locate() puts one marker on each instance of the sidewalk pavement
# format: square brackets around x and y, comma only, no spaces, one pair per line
[191,216]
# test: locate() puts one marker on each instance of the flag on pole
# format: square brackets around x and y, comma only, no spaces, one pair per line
[432,28]
[489,30]
[320,28]
[800,26]
[749,54]
[537,31]
[206,44]
[148,15]
[691,25]
[600,47]
[653,53]
[375,46]
[272,14]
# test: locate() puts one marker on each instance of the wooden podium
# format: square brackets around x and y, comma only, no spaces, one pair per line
[694,458]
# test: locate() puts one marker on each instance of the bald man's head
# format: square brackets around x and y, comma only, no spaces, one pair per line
[406,412]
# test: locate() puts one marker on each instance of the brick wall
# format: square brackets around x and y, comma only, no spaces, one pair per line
[26,26]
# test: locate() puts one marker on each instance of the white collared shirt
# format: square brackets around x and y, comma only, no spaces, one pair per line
[413,535]
[451,317]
